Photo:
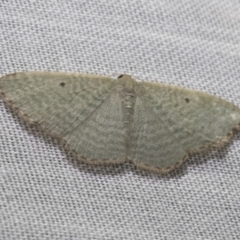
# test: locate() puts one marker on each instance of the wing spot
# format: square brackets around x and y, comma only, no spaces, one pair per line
[62,84]
[120,76]
[187,100]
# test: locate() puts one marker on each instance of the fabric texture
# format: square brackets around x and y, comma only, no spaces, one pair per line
[46,194]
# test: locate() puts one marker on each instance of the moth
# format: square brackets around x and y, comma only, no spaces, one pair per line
[111,121]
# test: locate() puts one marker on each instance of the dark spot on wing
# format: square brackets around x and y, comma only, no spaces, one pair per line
[62,84]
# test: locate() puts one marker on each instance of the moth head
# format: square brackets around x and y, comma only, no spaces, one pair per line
[127,81]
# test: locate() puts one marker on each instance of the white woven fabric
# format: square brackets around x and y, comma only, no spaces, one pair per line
[45,194]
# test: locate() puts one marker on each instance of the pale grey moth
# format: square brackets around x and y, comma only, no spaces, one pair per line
[107,121]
